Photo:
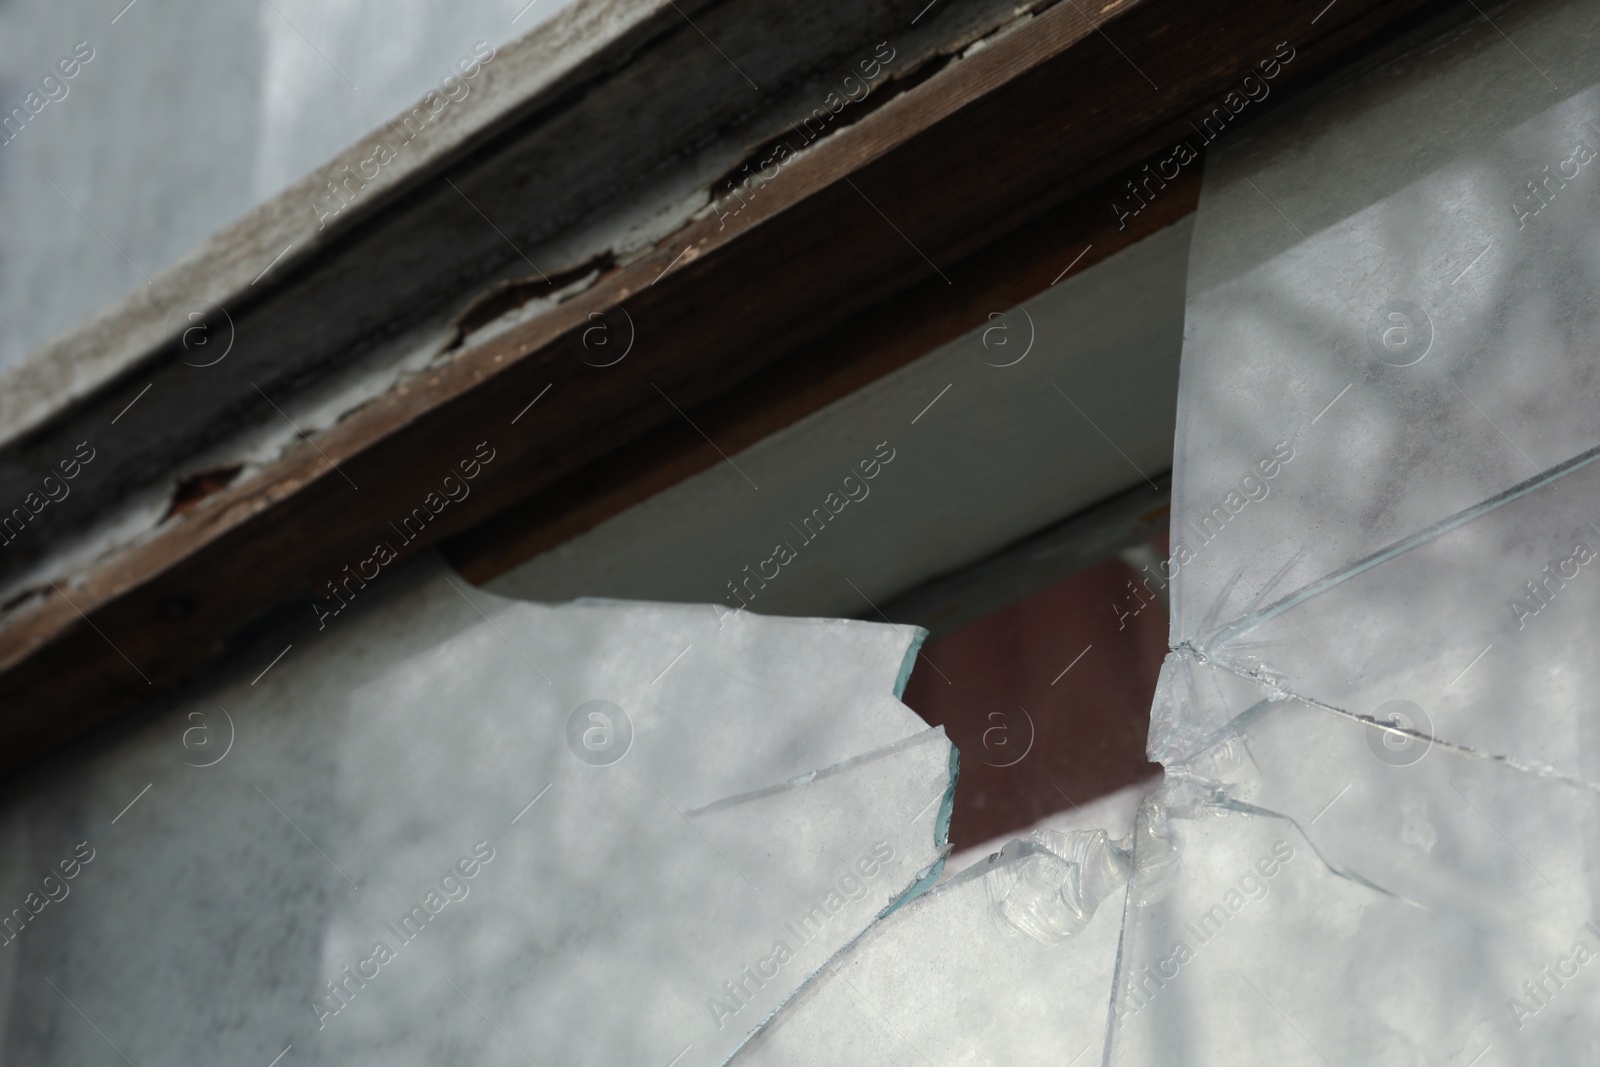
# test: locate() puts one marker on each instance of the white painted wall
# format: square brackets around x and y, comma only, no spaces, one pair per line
[1000,455]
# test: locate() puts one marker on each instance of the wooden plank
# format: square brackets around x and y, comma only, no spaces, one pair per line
[1037,118]
[870,345]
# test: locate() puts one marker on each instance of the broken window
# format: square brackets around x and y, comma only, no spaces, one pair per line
[470,824]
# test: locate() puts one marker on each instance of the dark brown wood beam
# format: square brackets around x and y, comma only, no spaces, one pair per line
[1012,144]
[868,346]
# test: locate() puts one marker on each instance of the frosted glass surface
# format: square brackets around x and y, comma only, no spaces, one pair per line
[697,837]
[947,979]
[1376,722]
[1390,356]
[1376,839]
[591,833]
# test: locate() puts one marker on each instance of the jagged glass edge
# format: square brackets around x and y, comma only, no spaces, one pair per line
[918,635]
[927,880]
[941,829]
[941,841]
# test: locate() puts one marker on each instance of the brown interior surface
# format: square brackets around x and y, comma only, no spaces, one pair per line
[1035,741]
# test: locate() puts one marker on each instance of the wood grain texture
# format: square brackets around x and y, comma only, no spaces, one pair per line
[863,253]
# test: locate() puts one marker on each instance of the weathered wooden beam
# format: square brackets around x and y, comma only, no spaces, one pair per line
[892,204]
[868,346]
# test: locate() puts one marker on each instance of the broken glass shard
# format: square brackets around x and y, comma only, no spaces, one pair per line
[461,828]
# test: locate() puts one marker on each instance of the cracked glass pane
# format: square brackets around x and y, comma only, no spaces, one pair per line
[616,832]
[1375,719]
[996,965]
[600,832]
[1374,842]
